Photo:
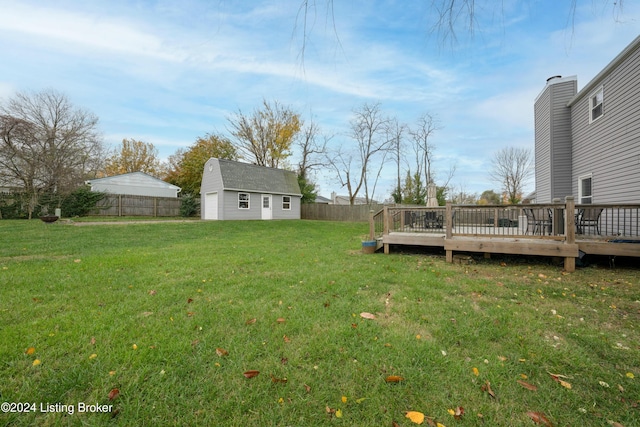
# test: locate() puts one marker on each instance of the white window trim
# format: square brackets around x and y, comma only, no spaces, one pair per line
[283,203]
[580,195]
[591,107]
[248,200]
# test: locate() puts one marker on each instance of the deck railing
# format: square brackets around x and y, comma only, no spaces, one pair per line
[541,221]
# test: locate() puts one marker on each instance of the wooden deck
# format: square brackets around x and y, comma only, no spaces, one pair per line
[505,229]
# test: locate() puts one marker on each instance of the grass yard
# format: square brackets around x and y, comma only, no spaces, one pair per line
[161,324]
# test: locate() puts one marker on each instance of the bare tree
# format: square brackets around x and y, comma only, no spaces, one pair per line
[422,146]
[511,167]
[265,137]
[312,151]
[353,167]
[395,135]
[47,145]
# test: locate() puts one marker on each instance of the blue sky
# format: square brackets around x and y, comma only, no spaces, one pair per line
[167,72]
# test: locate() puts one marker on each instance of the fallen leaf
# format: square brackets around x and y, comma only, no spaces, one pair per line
[135,346]
[251,374]
[93,341]
[540,418]
[113,393]
[339,413]
[487,387]
[394,424]
[286,338]
[615,424]
[195,343]
[30,351]
[565,384]
[147,313]
[307,388]
[93,356]
[394,379]
[251,321]
[278,380]
[189,300]
[603,384]
[152,292]
[527,385]
[344,399]
[366,315]
[190,313]
[458,413]
[362,399]
[221,352]
[36,362]
[630,375]
[280,320]
[476,372]
[416,417]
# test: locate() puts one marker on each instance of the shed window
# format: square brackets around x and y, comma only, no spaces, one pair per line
[585,194]
[243,201]
[286,203]
[596,105]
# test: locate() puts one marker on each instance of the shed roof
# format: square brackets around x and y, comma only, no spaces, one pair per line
[247,177]
[133,178]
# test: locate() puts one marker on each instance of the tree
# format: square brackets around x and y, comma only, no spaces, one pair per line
[511,167]
[353,167]
[266,136]
[489,197]
[186,166]
[134,156]
[423,148]
[396,131]
[312,155]
[47,145]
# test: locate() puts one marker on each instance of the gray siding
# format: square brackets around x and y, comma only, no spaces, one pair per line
[609,148]
[211,182]
[553,140]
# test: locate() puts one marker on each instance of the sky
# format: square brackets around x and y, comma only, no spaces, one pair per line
[168,72]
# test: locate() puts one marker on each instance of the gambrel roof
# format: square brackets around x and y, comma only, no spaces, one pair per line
[258,179]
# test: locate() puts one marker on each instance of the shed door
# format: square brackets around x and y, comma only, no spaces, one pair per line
[211,206]
[266,206]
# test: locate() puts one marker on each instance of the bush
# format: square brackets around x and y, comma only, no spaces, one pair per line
[190,205]
[80,202]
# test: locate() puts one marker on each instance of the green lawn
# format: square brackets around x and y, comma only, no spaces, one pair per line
[152,310]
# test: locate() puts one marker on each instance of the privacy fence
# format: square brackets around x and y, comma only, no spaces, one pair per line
[325,212]
[127,205]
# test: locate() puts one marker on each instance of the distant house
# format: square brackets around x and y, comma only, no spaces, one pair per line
[235,190]
[135,184]
[587,143]
[346,200]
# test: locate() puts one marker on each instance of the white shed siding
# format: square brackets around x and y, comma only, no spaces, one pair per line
[609,148]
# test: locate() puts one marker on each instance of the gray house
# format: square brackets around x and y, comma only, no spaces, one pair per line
[135,184]
[235,190]
[587,143]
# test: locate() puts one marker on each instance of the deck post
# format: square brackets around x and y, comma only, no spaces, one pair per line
[448,229]
[557,223]
[570,231]
[372,226]
[385,227]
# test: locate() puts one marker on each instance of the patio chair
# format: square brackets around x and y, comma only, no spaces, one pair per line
[538,220]
[589,217]
[433,220]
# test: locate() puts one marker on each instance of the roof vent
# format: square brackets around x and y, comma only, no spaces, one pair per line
[553,77]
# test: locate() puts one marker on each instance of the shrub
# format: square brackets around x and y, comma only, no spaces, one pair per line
[190,205]
[80,202]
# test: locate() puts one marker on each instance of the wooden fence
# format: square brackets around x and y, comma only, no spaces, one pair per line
[127,205]
[325,212]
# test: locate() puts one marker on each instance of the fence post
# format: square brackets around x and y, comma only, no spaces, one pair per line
[372,226]
[449,229]
[119,204]
[570,230]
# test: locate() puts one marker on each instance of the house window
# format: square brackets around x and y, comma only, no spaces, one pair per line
[596,105]
[243,201]
[585,194]
[286,203]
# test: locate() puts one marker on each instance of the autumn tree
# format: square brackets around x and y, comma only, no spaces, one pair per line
[134,156]
[265,137]
[186,166]
[511,167]
[47,145]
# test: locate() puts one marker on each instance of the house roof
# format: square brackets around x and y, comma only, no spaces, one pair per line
[133,178]
[622,56]
[260,179]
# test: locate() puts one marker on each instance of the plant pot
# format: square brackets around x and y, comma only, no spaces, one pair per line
[49,218]
[369,246]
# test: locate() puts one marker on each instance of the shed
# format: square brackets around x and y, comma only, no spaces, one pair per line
[233,190]
[135,184]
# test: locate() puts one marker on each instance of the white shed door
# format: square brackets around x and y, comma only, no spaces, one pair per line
[266,206]
[211,206]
